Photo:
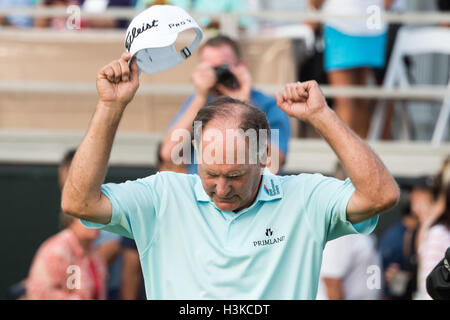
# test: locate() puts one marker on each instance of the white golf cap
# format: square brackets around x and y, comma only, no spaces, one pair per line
[152,33]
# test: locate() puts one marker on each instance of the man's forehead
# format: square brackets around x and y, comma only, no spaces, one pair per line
[229,143]
[222,129]
[219,134]
[225,169]
[223,142]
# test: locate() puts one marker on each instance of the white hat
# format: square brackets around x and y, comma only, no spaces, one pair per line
[151,36]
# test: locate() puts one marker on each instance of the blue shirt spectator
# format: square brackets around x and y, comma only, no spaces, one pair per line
[18,21]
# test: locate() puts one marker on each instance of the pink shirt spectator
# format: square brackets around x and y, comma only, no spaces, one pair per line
[61,270]
[431,252]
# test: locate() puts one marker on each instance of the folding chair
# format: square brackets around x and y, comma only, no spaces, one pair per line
[410,42]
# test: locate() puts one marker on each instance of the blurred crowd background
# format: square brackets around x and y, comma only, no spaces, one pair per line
[383,66]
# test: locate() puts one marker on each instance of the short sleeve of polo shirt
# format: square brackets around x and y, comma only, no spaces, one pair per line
[133,209]
[326,202]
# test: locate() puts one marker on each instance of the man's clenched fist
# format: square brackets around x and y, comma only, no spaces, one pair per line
[302,100]
[118,82]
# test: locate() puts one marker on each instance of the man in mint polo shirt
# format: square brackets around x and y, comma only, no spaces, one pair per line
[235,231]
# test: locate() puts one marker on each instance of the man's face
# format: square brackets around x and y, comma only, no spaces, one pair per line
[217,56]
[231,186]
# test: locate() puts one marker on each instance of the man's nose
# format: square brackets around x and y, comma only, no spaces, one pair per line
[223,188]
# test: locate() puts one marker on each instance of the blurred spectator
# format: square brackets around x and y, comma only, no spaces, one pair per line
[95,6]
[346,264]
[204,6]
[434,233]
[57,23]
[219,6]
[132,284]
[235,81]
[108,245]
[438,281]
[346,267]
[273,6]
[398,246]
[444,5]
[66,266]
[16,21]
[143,4]
[397,6]
[352,48]
[102,5]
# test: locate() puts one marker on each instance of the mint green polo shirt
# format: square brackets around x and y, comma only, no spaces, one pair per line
[189,249]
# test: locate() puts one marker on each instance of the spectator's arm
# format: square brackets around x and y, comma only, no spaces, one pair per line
[204,79]
[334,288]
[131,275]
[109,251]
[49,277]
[183,123]
[316,4]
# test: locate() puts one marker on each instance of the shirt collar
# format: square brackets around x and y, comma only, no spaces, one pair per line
[200,192]
[270,188]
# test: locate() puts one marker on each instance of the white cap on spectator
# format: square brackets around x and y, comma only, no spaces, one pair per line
[151,36]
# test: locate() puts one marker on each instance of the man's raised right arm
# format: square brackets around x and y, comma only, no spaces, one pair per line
[82,198]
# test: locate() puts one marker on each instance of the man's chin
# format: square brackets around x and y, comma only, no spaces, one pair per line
[226,206]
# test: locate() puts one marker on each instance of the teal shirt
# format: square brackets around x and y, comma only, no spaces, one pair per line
[189,249]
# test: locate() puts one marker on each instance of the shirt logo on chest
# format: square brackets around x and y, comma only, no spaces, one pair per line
[269,239]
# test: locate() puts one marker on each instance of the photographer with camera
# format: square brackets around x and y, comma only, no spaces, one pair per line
[222,72]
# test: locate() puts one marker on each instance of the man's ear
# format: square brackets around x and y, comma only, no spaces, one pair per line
[264,157]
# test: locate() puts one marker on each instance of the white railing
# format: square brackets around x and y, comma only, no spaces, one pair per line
[139,149]
[424,93]
[412,17]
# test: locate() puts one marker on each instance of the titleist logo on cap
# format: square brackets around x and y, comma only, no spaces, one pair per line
[135,32]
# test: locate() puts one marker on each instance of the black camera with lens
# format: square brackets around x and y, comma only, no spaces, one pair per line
[226,77]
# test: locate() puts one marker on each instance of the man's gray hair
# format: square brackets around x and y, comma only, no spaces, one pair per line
[248,116]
